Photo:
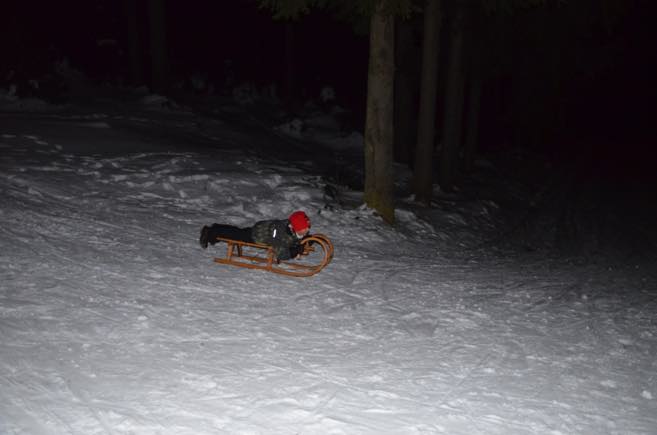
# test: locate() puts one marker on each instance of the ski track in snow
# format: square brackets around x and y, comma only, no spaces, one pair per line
[113,320]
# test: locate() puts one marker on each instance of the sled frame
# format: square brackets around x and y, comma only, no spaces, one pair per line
[261,257]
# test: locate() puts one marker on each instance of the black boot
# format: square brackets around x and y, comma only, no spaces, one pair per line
[203,240]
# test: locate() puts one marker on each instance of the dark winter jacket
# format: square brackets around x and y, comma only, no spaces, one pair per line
[278,235]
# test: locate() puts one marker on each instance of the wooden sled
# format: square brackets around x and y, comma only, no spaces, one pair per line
[317,253]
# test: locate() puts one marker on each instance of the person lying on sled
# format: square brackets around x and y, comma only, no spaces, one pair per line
[283,235]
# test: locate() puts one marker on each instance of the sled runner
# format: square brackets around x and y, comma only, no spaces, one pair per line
[317,253]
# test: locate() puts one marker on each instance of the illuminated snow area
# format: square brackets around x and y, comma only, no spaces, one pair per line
[113,320]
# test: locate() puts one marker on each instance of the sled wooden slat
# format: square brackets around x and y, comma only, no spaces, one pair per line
[261,257]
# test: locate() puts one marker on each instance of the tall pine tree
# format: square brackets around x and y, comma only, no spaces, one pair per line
[379,177]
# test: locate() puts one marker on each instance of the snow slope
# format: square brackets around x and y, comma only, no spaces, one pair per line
[114,321]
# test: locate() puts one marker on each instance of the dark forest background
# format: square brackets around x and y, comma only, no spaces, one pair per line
[573,80]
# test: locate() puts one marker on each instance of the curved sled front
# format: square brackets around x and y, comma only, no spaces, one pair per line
[317,253]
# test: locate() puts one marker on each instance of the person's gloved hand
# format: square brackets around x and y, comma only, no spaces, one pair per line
[296,250]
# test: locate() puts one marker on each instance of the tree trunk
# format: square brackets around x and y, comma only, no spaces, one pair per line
[134,42]
[554,59]
[158,46]
[475,66]
[472,122]
[453,124]
[290,71]
[423,168]
[379,117]
[405,84]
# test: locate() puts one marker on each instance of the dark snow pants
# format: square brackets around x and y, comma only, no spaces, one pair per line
[229,232]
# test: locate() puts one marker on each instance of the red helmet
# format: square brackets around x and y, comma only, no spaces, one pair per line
[299,221]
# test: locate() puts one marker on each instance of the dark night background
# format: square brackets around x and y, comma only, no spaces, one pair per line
[573,82]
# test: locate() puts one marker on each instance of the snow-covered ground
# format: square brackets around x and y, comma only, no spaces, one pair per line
[114,321]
